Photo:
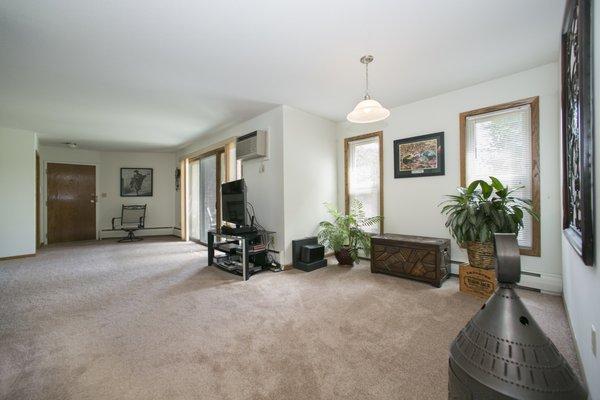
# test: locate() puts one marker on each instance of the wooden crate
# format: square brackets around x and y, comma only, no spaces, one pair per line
[477,281]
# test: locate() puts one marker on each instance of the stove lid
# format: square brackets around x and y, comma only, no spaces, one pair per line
[503,348]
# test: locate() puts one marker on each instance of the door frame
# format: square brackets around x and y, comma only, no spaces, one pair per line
[44,199]
[38,197]
[228,146]
[218,172]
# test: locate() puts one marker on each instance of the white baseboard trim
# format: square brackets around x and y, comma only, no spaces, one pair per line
[454,269]
[576,343]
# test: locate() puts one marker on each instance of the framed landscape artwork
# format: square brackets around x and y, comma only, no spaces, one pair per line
[136,182]
[419,156]
[577,128]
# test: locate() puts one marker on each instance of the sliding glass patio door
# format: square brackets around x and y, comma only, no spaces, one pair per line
[203,196]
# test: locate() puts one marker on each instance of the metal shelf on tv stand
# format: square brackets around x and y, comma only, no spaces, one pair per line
[235,245]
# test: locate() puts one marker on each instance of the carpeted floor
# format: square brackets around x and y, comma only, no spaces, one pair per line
[149,320]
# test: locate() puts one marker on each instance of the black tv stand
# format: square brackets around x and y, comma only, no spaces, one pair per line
[240,230]
[239,257]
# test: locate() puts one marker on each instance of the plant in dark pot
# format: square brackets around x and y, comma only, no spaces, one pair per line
[480,210]
[345,234]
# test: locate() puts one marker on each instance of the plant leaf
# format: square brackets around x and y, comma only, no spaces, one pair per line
[496,183]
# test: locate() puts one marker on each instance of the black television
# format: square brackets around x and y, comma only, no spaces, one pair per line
[233,197]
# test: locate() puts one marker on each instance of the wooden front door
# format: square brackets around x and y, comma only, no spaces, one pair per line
[71,202]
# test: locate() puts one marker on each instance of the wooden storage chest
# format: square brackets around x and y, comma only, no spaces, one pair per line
[422,258]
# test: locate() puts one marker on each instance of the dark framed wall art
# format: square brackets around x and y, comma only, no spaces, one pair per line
[136,182]
[177,179]
[419,156]
[577,128]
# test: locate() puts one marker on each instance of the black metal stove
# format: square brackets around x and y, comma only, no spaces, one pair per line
[502,353]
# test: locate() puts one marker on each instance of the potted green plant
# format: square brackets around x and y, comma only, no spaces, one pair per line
[345,234]
[480,210]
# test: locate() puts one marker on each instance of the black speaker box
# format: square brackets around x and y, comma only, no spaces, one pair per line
[310,266]
[308,254]
[312,252]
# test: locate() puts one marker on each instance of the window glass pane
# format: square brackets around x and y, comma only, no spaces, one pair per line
[208,196]
[202,198]
[363,175]
[499,144]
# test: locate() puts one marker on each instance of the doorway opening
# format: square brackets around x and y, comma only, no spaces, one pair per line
[38,235]
[202,174]
[204,178]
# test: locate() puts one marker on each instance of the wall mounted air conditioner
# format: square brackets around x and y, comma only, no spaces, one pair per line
[252,145]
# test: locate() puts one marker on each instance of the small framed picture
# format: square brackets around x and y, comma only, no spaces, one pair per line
[136,182]
[419,156]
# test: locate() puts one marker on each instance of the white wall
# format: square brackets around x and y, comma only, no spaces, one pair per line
[264,177]
[411,205]
[288,187]
[159,212]
[17,197]
[581,284]
[108,164]
[310,177]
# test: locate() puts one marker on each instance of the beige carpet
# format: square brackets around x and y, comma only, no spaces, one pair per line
[149,320]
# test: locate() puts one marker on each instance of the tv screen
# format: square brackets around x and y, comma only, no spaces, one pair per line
[233,196]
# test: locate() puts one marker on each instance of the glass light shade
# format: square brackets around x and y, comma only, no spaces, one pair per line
[368,110]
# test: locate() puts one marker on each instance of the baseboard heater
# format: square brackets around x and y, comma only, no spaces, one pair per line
[141,230]
[536,275]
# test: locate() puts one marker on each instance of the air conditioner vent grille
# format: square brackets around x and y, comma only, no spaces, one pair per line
[252,145]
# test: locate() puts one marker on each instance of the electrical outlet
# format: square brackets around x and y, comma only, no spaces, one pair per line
[594,342]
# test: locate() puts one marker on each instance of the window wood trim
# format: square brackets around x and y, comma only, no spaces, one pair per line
[207,154]
[533,103]
[347,142]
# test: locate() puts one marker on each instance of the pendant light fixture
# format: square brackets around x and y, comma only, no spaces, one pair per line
[368,110]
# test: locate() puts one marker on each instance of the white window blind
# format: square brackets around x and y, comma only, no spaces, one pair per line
[363,175]
[499,144]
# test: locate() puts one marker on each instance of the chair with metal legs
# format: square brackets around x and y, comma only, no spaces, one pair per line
[132,219]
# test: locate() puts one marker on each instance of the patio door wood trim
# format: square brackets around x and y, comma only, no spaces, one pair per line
[217,153]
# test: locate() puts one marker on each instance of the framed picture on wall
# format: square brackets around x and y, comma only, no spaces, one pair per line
[577,128]
[419,156]
[136,182]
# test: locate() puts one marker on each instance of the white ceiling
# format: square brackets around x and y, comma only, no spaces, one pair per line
[155,74]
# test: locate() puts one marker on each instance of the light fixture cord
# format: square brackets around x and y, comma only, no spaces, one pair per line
[367,81]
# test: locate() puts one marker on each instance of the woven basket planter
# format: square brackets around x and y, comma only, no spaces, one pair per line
[481,255]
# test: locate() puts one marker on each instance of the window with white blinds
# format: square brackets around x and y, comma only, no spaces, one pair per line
[363,174]
[499,144]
